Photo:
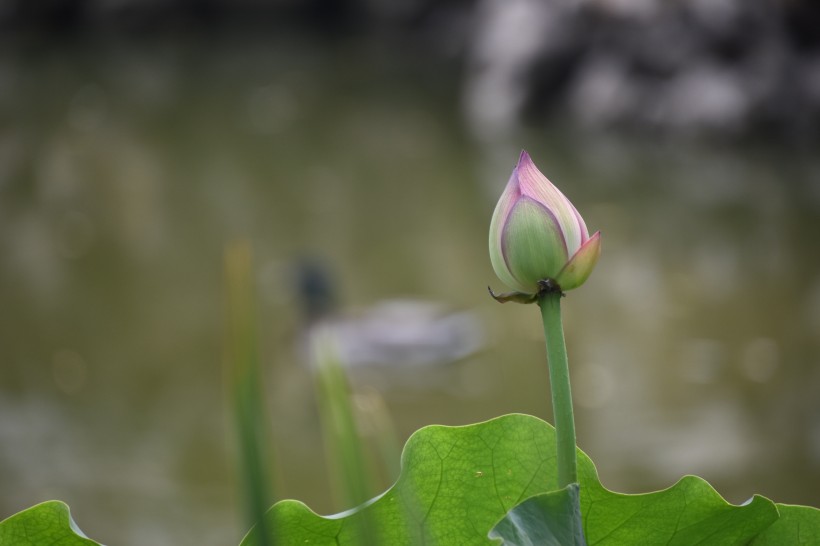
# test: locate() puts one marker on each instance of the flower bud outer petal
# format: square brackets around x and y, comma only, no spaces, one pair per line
[579,267]
[499,220]
[532,244]
[535,185]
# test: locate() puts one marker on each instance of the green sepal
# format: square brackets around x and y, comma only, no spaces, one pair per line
[516,297]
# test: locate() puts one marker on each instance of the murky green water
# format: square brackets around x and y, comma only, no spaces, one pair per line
[125,168]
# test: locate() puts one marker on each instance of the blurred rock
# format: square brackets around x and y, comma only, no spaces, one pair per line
[725,68]
[516,45]
[700,67]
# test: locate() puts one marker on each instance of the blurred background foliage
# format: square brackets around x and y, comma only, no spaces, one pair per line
[360,147]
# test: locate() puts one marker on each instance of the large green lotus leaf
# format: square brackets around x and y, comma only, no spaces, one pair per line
[689,513]
[45,524]
[797,526]
[455,484]
[458,482]
[548,519]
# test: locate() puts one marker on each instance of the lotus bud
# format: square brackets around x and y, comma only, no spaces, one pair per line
[538,241]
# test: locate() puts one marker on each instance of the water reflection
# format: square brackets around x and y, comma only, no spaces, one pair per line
[693,345]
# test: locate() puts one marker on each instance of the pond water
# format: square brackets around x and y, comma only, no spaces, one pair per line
[127,167]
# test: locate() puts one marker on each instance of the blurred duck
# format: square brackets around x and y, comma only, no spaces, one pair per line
[397,337]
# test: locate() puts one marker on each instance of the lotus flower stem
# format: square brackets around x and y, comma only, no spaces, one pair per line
[550,303]
[540,246]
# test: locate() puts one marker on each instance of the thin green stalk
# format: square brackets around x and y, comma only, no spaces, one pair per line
[245,384]
[550,304]
[341,434]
